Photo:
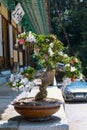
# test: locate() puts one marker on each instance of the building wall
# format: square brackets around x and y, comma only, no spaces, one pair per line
[8,33]
[1,52]
[9,30]
[11,44]
[1,48]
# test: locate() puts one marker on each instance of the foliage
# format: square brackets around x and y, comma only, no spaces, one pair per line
[71,68]
[29,73]
[46,48]
[73,18]
[49,51]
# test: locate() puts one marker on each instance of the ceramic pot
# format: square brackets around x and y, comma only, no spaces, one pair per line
[37,109]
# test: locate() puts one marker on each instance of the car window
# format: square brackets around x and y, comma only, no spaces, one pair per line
[78,84]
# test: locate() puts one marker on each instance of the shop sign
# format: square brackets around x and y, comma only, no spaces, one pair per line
[18,13]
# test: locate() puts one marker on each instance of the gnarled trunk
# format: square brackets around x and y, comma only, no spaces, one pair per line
[46,81]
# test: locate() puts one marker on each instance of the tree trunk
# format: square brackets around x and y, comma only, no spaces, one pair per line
[46,81]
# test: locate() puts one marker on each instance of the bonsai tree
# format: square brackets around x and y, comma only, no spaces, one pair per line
[48,52]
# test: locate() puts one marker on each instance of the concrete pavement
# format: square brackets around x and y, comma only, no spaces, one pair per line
[7,95]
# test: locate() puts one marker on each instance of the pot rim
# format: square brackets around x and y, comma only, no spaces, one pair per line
[43,104]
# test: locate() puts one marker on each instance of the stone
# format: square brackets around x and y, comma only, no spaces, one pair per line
[8,125]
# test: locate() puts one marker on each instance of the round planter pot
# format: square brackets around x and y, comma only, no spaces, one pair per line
[37,110]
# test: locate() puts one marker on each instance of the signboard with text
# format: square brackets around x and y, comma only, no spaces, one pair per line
[18,13]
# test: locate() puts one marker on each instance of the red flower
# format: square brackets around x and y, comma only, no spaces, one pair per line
[21,41]
[73,79]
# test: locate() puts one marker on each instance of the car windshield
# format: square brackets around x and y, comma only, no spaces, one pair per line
[78,84]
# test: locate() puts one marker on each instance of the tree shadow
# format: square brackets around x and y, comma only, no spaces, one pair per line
[7,95]
[50,119]
[13,123]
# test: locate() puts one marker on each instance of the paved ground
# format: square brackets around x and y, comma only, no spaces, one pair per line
[7,95]
[76,114]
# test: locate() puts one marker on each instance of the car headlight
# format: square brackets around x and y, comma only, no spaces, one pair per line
[67,91]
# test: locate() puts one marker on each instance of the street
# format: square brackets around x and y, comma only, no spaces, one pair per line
[76,114]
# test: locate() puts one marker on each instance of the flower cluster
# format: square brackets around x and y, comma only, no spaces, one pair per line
[46,47]
[23,81]
[18,82]
[73,68]
[24,38]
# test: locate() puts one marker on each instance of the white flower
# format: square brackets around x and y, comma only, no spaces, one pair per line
[29,86]
[37,81]
[50,51]
[47,40]
[24,81]
[14,83]
[31,38]
[73,69]
[32,85]
[76,60]
[21,87]
[22,34]
[51,45]
[11,78]
[60,53]
[67,65]
[19,76]
[65,55]
[81,76]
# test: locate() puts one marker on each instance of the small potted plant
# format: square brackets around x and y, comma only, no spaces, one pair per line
[48,51]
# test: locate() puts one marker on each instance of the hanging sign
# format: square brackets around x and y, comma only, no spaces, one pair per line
[18,13]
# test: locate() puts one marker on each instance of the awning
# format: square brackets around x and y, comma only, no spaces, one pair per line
[36,16]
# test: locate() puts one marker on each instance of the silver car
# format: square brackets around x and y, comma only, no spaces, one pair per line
[75,91]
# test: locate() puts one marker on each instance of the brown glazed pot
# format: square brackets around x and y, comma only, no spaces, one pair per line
[37,109]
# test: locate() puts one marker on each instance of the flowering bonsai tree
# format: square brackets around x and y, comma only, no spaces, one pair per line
[49,51]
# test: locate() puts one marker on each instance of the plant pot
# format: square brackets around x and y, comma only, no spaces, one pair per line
[37,110]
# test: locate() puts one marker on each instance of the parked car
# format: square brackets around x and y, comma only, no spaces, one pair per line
[75,91]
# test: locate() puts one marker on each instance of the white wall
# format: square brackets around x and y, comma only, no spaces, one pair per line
[1,48]
[11,40]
